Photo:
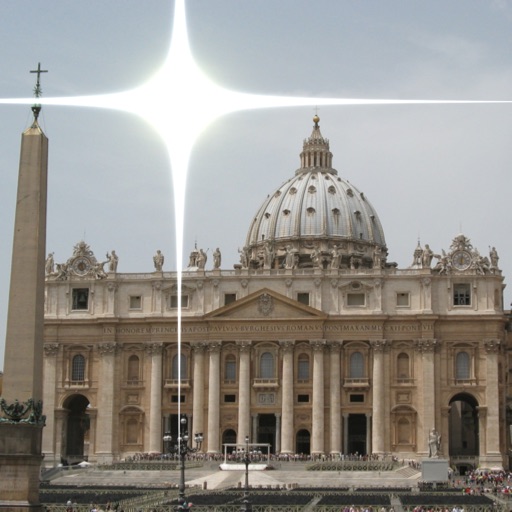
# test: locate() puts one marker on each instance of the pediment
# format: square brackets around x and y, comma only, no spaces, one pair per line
[266,304]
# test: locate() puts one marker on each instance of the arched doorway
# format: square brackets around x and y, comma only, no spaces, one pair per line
[77,428]
[463,431]
[229,437]
[303,444]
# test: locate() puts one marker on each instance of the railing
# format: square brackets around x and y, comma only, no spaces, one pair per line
[176,383]
[265,383]
[356,383]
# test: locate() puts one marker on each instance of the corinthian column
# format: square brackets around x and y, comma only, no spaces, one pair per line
[244,391]
[198,392]
[105,422]
[492,448]
[287,433]
[50,378]
[317,445]
[426,347]
[378,409]
[155,397]
[334,396]
[213,399]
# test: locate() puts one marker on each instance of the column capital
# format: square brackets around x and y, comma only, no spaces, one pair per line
[426,345]
[214,348]
[154,348]
[492,346]
[287,345]
[244,346]
[335,346]
[198,346]
[318,345]
[380,345]
[51,349]
[107,348]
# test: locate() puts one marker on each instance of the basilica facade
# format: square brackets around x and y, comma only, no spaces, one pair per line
[313,342]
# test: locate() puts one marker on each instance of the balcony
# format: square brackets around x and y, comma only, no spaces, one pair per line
[357,383]
[265,383]
[177,383]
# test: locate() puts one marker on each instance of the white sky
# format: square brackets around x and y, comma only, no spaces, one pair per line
[430,171]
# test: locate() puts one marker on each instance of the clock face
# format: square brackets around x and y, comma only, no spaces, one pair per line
[461,260]
[81,266]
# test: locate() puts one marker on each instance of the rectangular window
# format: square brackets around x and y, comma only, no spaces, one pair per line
[174,399]
[174,301]
[80,298]
[229,399]
[229,298]
[356,399]
[303,399]
[303,298]
[462,294]
[135,302]
[402,300]
[355,299]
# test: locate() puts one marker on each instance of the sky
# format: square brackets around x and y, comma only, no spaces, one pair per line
[430,171]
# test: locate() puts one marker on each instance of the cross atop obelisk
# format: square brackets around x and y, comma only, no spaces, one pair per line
[37,89]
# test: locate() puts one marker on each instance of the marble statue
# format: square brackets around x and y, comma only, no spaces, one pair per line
[434,443]
[112,260]
[158,260]
[216,258]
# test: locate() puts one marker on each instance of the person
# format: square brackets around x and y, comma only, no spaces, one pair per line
[434,443]
[158,260]
[112,261]
[49,265]
[201,259]
[335,261]
[290,257]
[427,256]
[493,254]
[216,258]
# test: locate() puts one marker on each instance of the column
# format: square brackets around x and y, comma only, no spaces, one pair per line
[378,397]
[369,448]
[287,432]
[49,385]
[254,436]
[334,396]
[155,398]
[198,391]
[213,399]
[104,452]
[317,438]
[278,433]
[427,415]
[244,391]
[492,446]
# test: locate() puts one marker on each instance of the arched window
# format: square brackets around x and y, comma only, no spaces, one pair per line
[402,366]
[183,367]
[462,370]
[303,367]
[78,368]
[267,366]
[356,365]
[230,368]
[133,368]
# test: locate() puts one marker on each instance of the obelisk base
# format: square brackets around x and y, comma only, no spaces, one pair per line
[20,466]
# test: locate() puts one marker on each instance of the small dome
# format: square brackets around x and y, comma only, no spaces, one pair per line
[316,215]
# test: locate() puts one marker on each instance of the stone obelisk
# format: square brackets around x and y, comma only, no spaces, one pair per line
[21,419]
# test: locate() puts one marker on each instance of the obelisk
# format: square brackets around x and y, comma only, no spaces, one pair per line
[21,419]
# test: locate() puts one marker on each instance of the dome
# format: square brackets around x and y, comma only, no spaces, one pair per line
[315,219]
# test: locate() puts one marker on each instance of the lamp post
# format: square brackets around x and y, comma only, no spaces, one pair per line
[246,504]
[181,448]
